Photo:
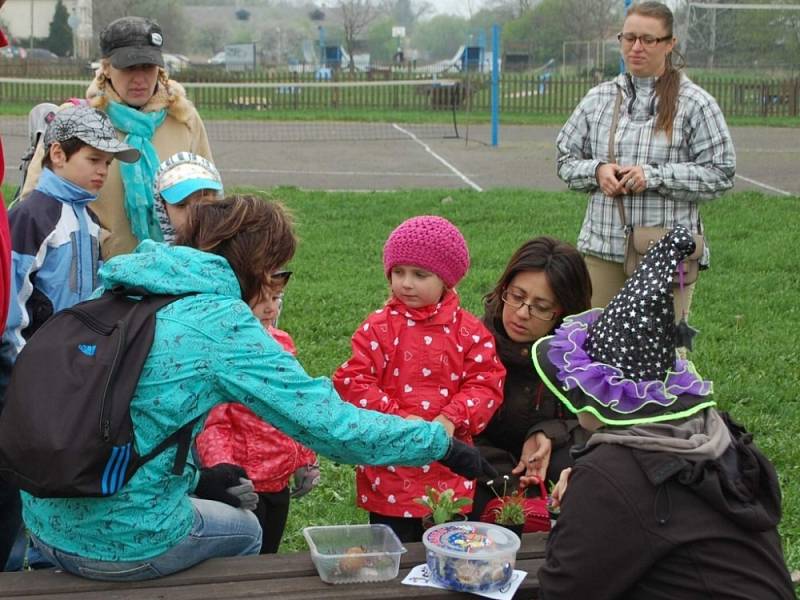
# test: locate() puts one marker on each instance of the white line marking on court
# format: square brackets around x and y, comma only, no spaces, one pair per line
[766,150]
[463,177]
[764,185]
[346,173]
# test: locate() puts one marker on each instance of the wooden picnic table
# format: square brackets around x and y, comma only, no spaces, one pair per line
[285,576]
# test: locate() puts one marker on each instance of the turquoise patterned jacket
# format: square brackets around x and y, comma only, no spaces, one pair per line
[210,349]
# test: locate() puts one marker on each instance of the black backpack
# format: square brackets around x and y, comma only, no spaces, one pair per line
[66,428]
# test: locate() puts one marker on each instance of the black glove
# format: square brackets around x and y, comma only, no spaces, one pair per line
[465,460]
[246,493]
[218,483]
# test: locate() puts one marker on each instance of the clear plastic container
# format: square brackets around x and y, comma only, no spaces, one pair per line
[354,553]
[470,556]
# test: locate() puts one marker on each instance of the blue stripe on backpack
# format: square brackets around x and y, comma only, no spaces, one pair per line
[94,352]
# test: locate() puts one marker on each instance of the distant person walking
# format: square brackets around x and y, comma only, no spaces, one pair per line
[671,150]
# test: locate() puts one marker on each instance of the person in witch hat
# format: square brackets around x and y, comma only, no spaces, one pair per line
[669,498]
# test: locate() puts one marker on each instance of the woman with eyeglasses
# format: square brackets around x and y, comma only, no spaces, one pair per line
[530,435]
[672,150]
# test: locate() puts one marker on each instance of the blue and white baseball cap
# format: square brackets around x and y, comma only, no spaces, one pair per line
[184,173]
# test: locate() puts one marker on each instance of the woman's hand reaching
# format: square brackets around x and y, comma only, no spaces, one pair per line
[534,460]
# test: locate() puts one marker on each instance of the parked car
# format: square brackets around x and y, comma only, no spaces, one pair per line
[175,62]
[10,52]
[218,58]
[41,55]
[172,62]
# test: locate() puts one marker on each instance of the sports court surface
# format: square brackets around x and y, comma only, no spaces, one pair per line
[768,158]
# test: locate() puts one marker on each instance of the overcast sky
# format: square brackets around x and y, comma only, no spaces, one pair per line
[456,7]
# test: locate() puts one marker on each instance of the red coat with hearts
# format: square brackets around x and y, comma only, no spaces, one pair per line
[435,360]
[235,434]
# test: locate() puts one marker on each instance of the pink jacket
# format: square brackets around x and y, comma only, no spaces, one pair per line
[425,362]
[234,434]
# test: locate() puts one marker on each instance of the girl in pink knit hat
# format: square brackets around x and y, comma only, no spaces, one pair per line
[421,356]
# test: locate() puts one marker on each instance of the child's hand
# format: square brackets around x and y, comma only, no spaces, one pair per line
[446,423]
[560,488]
[305,479]
[414,418]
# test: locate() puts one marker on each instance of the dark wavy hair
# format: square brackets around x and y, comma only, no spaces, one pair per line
[564,268]
[70,147]
[255,236]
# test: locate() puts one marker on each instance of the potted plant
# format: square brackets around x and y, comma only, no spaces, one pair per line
[507,510]
[444,506]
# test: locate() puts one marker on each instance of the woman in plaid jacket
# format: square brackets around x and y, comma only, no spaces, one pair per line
[672,150]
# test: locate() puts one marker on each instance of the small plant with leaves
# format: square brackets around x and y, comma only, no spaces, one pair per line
[511,508]
[444,505]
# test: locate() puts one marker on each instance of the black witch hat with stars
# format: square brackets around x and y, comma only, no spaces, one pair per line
[637,332]
[619,363]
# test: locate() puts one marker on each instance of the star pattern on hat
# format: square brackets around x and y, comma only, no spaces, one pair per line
[636,332]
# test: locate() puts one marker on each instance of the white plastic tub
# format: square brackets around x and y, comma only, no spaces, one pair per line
[354,553]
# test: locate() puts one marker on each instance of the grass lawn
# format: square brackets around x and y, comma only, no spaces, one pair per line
[376,115]
[745,307]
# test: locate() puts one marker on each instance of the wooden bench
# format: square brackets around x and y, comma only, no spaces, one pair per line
[285,576]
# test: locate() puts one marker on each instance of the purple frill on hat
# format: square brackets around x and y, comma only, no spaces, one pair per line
[606,384]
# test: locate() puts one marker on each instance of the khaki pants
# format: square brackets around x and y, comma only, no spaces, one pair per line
[609,277]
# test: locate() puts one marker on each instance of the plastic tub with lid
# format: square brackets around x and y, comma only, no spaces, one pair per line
[470,556]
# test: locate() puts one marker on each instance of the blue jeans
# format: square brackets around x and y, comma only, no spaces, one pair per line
[218,530]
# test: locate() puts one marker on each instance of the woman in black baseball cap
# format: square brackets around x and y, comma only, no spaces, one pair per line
[132,41]
[152,114]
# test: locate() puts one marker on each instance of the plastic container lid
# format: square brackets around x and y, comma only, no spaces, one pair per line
[471,539]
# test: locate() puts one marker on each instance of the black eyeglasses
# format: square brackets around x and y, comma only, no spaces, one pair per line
[280,276]
[648,41]
[516,301]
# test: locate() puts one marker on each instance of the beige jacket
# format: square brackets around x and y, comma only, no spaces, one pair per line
[181,131]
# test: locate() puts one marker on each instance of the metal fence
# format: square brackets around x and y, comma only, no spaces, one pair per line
[520,93]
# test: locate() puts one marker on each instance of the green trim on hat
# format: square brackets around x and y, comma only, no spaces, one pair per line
[593,411]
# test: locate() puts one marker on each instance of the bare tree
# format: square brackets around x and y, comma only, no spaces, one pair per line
[524,5]
[591,19]
[405,12]
[168,14]
[516,7]
[356,15]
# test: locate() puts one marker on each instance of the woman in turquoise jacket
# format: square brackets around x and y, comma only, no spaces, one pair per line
[210,349]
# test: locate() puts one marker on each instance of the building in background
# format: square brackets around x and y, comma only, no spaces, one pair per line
[31,18]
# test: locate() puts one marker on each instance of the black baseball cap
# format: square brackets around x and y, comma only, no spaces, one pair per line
[132,41]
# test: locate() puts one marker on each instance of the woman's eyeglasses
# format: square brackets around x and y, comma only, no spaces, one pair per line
[648,41]
[516,301]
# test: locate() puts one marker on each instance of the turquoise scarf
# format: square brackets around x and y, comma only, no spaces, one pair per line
[138,177]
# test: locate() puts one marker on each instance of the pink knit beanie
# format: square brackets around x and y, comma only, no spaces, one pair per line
[433,243]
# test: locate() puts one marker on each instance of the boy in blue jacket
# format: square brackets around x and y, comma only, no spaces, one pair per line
[55,246]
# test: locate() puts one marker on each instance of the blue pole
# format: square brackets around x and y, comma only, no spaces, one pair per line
[322,46]
[622,62]
[495,83]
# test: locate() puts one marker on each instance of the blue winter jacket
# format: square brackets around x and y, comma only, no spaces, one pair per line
[54,260]
[210,349]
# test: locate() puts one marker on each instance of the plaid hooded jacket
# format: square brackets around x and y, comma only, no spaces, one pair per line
[695,164]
